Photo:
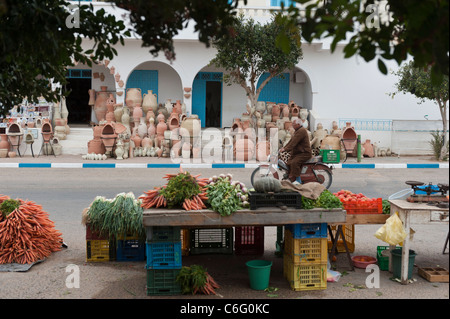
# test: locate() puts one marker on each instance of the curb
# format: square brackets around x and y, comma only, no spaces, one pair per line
[206,165]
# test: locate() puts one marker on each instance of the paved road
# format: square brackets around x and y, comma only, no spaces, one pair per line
[64,193]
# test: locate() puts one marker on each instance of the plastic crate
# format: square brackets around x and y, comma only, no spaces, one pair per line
[100,250]
[249,240]
[304,277]
[383,261]
[364,207]
[211,241]
[163,234]
[163,255]
[289,199]
[330,156]
[92,234]
[162,282]
[130,250]
[349,235]
[305,251]
[315,230]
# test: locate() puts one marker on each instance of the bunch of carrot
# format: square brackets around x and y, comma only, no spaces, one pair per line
[27,234]
[182,189]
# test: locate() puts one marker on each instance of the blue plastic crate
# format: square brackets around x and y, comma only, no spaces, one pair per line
[315,230]
[130,250]
[163,255]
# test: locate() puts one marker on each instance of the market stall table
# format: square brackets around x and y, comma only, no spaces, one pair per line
[414,213]
[257,217]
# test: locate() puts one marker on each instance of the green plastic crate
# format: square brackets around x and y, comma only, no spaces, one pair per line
[383,261]
[330,156]
[163,282]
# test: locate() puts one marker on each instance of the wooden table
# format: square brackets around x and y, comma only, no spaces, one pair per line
[414,213]
[259,217]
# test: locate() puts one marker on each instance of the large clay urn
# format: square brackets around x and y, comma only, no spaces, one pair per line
[137,114]
[110,102]
[193,126]
[4,144]
[96,146]
[285,110]
[276,110]
[100,108]
[244,149]
[142,128]
[136,139]
[161,127]
[149,102]
[133,96]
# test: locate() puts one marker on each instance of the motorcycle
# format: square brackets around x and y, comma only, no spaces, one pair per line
[313,170]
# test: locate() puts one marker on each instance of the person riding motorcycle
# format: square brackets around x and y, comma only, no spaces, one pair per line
[300,148]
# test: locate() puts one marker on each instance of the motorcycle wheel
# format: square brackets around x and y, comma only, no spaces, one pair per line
[325,177]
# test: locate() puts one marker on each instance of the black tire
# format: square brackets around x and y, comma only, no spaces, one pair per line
[257,174]
[328,178]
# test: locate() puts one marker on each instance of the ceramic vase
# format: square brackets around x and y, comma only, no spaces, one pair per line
[142,128]
[151,128]
[149,102]
[4,144]
[100,108]
[133,96]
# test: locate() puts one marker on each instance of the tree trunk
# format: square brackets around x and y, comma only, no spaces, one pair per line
[443,110]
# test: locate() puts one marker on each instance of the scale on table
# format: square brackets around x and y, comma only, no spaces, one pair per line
[432,194]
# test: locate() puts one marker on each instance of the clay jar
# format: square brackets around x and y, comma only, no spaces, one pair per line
[137,114]
[100,108]
[368,149]
[244,149]
[276,110]
[4,144]
[133,97]
[161,127]
[96,146]
[173,120]
[149,102]
[151,128]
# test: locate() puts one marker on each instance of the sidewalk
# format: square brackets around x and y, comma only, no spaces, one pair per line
[76,161]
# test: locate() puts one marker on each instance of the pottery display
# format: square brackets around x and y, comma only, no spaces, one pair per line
[4,144]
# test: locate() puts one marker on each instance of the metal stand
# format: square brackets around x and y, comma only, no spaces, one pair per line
[46,142]
[31,147]
[16,146]
[335,240]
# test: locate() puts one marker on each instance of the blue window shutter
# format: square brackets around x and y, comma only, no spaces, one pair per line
[277,3]
[277,90]
[145,80]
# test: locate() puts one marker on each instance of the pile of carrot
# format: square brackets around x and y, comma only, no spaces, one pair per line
[27,234]
[153,198]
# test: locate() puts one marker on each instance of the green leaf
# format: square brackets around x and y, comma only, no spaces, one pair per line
[382,67]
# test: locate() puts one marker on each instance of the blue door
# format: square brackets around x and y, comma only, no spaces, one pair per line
[199,96]
[145,80]
[277,90]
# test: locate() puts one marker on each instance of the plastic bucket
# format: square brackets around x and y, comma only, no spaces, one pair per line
[397,262]
[259,273]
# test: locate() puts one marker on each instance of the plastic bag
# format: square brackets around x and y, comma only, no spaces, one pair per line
[392,232]
[332,275]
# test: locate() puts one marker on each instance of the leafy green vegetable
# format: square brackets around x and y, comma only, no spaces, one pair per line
[386,206]
[191,278]
[117,217]
[8,206]
[325,200]
[225,197]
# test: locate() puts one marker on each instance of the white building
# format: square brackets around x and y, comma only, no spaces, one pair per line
[330,87]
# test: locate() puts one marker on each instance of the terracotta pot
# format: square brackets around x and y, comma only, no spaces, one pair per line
[108,136]
[177,107]
[137,113]
[285,110]
[12,154]
[137,140]
[151,131]
[142,128]
[4,144]
[132,97]
[193,126]
[173,121]
[276,110]
[96,146]
[118,112]
[368,149]
[161,128]
[97,131]
[100,108]
[146,142]
[3,153]
[349,138]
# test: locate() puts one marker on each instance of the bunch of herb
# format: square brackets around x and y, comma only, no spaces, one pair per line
[224,196]
[326,200]
[386,206]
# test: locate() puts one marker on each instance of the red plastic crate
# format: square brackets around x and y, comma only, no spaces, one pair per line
[94,235]
[364,207]
[249,240]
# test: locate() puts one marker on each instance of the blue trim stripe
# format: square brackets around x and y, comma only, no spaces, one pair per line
[40,165]
[422,165]
[163,165]
[99,165]
[229,165]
